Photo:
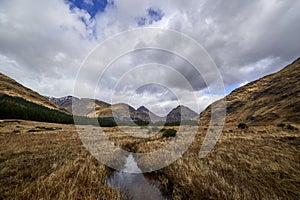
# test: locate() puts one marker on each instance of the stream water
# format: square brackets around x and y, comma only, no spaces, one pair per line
[135,185]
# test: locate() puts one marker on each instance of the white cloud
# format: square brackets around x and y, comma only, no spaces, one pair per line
[46,39]
[43,42]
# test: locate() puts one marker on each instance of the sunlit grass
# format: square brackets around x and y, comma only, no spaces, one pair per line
[260,162]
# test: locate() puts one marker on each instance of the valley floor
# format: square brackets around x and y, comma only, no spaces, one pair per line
[48,161]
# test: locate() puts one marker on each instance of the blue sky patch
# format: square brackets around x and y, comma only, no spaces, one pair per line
[90,6]
[142,21]
[152,15]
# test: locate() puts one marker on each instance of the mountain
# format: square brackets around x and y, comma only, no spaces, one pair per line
[181,113]
[120,111]
[19,102]
[95,108]
[272,99]
[84,106]
[65,102]
[12,88]
[147,115]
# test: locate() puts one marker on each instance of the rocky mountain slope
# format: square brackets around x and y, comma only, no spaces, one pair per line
[272,99]
[147,115]
[181,113]
[96,108]
[121,111]
[83,107]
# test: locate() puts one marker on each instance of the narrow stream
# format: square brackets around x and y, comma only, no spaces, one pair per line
[135,185]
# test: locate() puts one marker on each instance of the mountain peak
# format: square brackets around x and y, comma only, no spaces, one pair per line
[143,108]
[180,113]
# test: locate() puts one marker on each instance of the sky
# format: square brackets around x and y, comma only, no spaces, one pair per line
[44,43]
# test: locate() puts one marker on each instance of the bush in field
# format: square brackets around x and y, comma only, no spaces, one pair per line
[242,126]
[281,125]
[178,123]
[141,123]
[169,132]
[290,127]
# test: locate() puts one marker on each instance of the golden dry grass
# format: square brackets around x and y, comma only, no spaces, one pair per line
[261,162]
[49,164]
[258,163]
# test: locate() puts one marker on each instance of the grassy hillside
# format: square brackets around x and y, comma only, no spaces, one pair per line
[12,88]
[19,108]
[272,99]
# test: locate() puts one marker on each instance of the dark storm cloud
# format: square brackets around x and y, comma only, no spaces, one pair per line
[241,34]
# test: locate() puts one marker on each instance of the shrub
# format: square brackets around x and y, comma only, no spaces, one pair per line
[162,130]
[290,127]
[107,122]
[169,133]
[141,123]
[16,131]
[242,125]
[172,123]
[177,123]
[281,125]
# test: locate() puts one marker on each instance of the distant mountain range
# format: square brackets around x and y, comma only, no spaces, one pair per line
[272,99]
[83,107]
[121,111]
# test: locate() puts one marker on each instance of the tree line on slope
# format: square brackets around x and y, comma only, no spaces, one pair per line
[19,108]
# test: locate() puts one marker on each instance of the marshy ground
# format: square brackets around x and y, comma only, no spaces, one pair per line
[48,161]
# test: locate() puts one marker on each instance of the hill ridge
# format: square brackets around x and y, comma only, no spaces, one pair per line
[274,98]
[11,87]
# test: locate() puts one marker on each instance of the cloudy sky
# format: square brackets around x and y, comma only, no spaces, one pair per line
[43,44]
